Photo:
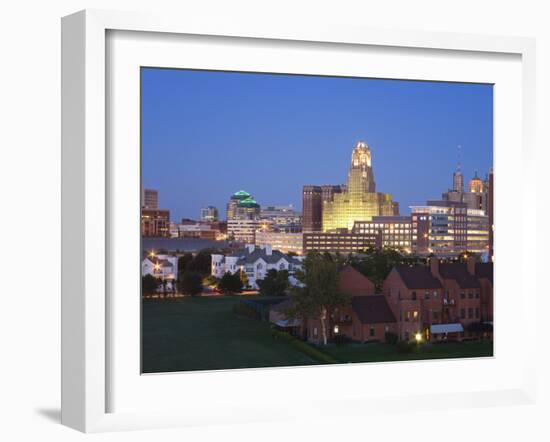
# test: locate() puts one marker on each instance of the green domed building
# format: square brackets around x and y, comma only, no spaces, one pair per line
[241,205]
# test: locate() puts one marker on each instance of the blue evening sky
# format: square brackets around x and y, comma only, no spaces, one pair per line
[206,135]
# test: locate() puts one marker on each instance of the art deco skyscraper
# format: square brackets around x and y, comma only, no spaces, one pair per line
[359,201]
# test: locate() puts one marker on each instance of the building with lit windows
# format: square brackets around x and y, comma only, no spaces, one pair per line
[359,201]
[281,218]
[395,231]
[282,241]
[448,228]
[155,222]
[243,230]
[340,241]
[241,205]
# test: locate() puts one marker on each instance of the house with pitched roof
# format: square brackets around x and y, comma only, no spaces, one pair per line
[255,262]
[163,267]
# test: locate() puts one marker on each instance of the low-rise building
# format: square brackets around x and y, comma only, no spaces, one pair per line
[255,262]
[395,231]
[340,241]
[282,241]
[243,230]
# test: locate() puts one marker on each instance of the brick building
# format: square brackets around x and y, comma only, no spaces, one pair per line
[462,292]
[155,222]
[415,296]
[442,301]
[484,273]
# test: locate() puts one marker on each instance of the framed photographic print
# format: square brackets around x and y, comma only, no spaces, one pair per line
[254,211]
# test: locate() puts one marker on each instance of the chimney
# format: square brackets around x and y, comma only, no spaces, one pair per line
[434,266]
[250,248]
[268,249]
[471,265]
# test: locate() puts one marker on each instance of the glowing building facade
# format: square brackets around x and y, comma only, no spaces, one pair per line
[359,201]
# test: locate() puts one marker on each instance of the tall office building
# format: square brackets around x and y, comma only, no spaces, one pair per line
[313,198]
[458,180]
[150,199]
[359,201]
[241,205]
[476,197]
[312,206]
[209,214]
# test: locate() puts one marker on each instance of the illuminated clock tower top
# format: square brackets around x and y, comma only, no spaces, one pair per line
[361,176]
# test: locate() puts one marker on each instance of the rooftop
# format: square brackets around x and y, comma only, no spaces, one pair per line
[251,255]
[372,309]
[458,272]
[418,277]
[240,195]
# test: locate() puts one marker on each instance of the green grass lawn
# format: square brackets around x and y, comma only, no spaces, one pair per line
[378,352]
[203,334]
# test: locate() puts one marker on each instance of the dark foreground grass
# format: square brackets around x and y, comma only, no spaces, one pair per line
[204,334]
[377,352]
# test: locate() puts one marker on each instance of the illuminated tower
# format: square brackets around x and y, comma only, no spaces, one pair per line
[476,185]
[360,176]
[359,201]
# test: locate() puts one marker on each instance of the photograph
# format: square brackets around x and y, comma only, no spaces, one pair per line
[301,220]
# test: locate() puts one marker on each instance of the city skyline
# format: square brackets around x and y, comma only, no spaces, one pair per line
[273,163]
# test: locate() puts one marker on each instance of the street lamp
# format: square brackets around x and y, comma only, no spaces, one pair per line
[418,337]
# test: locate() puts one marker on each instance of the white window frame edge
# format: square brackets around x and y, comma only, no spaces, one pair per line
[84,234]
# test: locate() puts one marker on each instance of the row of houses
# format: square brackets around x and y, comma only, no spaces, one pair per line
[443,301]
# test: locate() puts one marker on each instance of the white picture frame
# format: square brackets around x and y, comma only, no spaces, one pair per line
[86,206]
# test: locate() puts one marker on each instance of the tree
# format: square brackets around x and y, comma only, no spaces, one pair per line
[149,284]
[202,263]
[320,292]
[275,283]
[190,283]
[230,283]
[378,262]
[184,261]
